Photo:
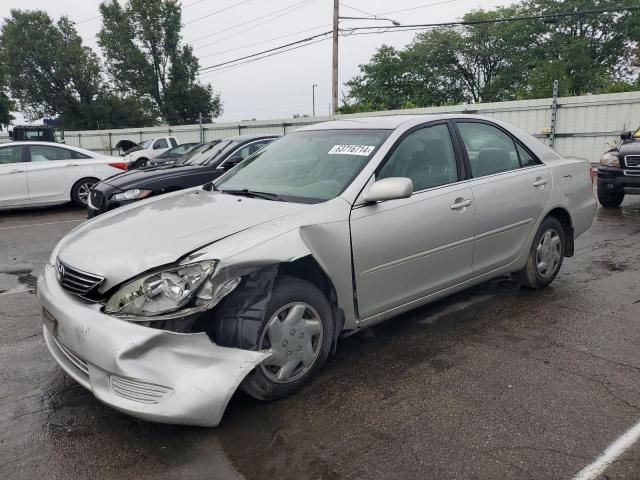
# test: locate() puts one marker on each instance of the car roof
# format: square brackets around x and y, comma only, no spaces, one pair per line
[54,144]
[387,122]
[245,138]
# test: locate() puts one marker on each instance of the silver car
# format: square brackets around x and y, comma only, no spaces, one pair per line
[165,307]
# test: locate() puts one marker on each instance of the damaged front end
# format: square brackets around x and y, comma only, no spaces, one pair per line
[150,351]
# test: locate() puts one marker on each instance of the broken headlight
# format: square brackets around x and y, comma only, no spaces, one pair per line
[170,293]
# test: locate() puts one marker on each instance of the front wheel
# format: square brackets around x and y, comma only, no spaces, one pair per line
[298,329]
[81,190]
[545,256]
[610,199]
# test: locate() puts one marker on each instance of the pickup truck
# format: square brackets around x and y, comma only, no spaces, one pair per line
[138,157]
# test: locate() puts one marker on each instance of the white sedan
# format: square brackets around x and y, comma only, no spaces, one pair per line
[43,173]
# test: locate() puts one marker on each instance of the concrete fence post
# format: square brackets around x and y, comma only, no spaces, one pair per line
[110,145]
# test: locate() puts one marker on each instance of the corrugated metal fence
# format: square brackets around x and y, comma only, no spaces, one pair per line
[585,127]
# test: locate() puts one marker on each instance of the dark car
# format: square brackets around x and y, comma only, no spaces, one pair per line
[619,171]
[174,154]
[199,166]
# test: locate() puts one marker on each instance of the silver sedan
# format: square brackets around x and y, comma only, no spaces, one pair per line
[165,307]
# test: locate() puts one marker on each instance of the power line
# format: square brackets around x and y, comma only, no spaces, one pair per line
[357,10]
[232,67]
[367,30]
[297,42]
[192,4]
[549,16]
[263,42]
[290,9]
[87,19]
[217,11]
[419,7]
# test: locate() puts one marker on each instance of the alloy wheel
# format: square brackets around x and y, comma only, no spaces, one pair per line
[84,190]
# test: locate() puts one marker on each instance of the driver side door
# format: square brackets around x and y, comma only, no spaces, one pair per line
[405,250]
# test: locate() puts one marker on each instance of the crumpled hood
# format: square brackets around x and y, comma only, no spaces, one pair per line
[132,240]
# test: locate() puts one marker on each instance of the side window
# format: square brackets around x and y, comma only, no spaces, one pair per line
[45,153]
[526,159]
[426,156]
[489,149]
[160,143]
[173,141]
[250,149]
[78,155]
[10,155]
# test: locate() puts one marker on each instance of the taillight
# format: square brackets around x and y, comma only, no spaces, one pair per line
[119,165]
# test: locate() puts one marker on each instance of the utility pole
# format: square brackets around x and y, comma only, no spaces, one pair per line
[313,98]
[334,72]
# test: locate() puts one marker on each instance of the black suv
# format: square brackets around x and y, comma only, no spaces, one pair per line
[619,171]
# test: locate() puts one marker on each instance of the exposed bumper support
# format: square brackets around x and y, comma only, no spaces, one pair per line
[151,374]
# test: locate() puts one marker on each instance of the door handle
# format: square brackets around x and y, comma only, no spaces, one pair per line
[540,182]
[16,171]
[460,203]
[72,165]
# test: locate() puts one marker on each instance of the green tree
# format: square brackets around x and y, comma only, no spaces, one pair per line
[48,70]
[504,60]
[6,104]
[142,44]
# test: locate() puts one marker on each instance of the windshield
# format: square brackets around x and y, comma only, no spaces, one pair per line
[146,143]
[309,166]
[202,155]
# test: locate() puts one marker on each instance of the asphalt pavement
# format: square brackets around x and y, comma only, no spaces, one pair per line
[496,382]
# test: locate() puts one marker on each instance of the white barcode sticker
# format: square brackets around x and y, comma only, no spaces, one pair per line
[363,150]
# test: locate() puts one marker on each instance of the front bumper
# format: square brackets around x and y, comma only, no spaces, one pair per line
[619,180]
[147,373]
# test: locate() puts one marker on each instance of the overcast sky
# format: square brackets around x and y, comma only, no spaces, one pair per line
[280,86]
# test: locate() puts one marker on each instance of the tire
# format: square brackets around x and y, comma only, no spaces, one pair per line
[610,199]
[80,191]
[290,295]
[139,163]
[545,256]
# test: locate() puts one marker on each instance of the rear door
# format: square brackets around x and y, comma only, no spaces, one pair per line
[13,175]
[510,189]
[52,171]
[407,249]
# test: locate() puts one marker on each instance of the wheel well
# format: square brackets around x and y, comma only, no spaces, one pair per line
[564,218]
[308,269]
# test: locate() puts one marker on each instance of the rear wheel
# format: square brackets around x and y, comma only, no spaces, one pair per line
[610,199]
[81,190]
[545,256]
[298,329]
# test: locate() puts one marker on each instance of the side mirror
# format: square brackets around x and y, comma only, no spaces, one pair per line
[389,189]
[232,162]
[626,135]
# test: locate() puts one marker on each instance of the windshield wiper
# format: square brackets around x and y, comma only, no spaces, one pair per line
[253,194]
[210,187]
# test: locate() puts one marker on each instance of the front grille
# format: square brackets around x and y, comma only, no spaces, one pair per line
[632,161]
[138,391]
[96,199]
[77,362]
[76,281]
